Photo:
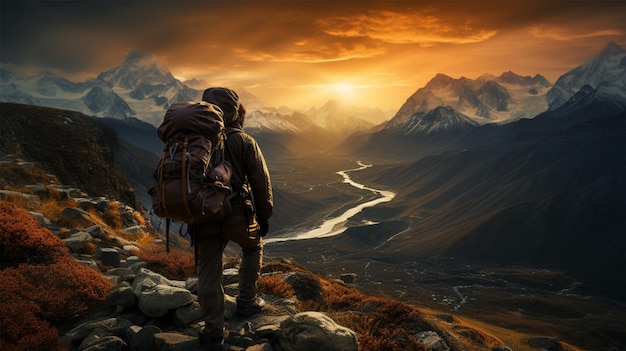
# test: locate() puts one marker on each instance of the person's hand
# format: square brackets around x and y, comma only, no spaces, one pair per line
[265,227]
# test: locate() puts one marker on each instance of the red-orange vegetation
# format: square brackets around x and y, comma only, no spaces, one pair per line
[52,208]
[112,215]
[22,240]
[22,327]
[42,285]
[275,285]
[176,264]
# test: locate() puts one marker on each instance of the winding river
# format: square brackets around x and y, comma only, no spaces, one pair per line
[335,225]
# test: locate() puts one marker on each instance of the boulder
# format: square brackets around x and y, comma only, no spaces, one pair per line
[115,326]
[314,331]
[146,279]
[109,257]
[186,315]
[31,200]
[75,217]
[176,342]
[348,278]
[545,343]
[161,299]
[122,295]
[432,341]
[107,343]
[144,338]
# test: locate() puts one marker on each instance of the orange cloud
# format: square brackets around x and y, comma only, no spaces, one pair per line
[404,28]
[567,34]
[310,53]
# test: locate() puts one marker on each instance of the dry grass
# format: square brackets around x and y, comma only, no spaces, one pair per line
[275,285]
[176,264]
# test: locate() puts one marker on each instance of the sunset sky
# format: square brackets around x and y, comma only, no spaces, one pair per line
[302,53]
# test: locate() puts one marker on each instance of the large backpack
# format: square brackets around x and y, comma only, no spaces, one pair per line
[193,179]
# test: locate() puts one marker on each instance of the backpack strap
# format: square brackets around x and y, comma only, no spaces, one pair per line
[184,174]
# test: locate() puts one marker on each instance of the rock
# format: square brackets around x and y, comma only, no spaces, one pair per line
[96,231]
[348,278]
[38,190]
[260,347]
[143,340]
[161,299]
[176,342]
[231,276]
[31,200]
[93,338]
[186,315]
[122,295]
[130,249]
[131,260]
[83,236]
[108,343]
[74,244]
[75,217]
[40,218]
[147,279]
[432,341]
[314,331]
[109,257]
[115,326]
[88,263]
[191,284]
[545,343]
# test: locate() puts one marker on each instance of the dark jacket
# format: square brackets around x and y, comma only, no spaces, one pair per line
[243,152]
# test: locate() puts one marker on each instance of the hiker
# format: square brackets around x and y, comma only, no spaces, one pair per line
[252,205]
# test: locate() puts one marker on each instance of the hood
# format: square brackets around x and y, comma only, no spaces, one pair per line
[228,101]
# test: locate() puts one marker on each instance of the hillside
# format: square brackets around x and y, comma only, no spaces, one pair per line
[67,144]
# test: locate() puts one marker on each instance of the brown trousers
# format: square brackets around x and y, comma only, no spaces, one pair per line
[212,240]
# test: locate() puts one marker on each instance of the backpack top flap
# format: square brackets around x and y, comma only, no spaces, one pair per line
[192,117]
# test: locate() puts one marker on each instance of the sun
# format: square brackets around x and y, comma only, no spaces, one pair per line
[344,90]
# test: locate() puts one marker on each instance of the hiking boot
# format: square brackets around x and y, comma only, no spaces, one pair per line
[211,343]
[255,308]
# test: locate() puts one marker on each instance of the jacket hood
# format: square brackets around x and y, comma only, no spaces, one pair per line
[228,101]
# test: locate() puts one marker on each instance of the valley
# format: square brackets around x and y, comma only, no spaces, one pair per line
[525,298]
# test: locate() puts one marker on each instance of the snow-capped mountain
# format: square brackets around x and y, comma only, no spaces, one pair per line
[469,102]
[139,87]
[607,66]
[337,118]
[440,119]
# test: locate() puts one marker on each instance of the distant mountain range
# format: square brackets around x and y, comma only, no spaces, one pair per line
[142,88]
[544,190]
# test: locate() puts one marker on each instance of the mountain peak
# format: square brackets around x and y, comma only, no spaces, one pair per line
[137,54]
[139,68]
[611,49]
[440,80]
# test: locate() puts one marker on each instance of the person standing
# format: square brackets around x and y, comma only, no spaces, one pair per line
[248,222]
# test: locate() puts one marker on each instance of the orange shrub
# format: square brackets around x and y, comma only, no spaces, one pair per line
[42,285]
[22,329]
[23,241]
[175,264]
[275,285]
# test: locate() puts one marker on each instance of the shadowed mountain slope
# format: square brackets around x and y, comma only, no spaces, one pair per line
[68,144]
